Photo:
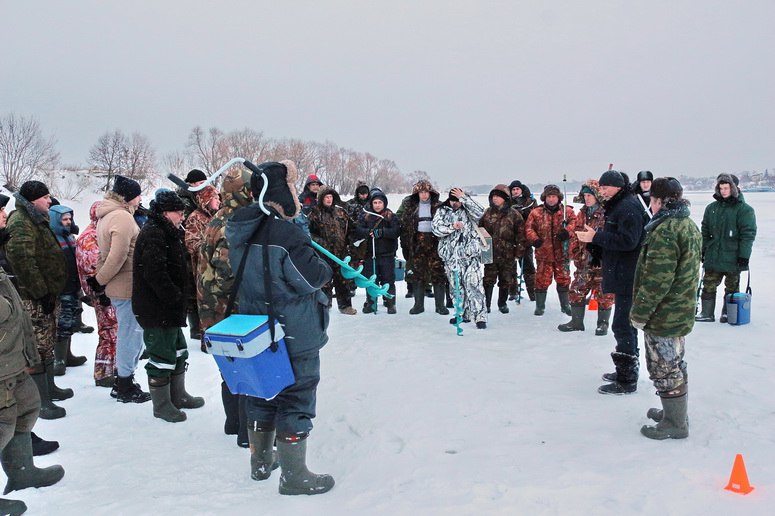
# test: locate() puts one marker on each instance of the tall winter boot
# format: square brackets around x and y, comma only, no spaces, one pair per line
[194,324]
[55,392]
[708,309]
[675,422]
[448,296]
[370,305]
[390,303]
[530,286]
[295,478]
[162,400]
[18,466]
[577,318]
[603,316]
[231,408]
[439,292]
[627,367]
[419,299]
[60,356]
[562,294]
[41,446]
[540,302]
[263,458]
[73,360]
[409,289]
[488,296]
[503,298]
[180,398]
[657,414]
[12,507]
[723,318]
[242,433]
[48,410]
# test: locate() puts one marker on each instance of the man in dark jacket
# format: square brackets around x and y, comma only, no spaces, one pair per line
[620,240]
[40,271]
[297,301]
[159,293]
[522,202]
[309,195]
[728,232]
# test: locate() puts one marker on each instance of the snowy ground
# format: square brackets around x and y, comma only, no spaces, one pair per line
[413,418]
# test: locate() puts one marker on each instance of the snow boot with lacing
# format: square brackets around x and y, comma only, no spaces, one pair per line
[295,478]
[18,466]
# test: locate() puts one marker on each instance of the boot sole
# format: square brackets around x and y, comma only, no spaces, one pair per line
[653,433]
[292,491]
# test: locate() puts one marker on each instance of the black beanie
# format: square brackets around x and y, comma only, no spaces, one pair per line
[645,175]
[195,175]
[33,190]
[167,200]
[516,184]
[277,188]
[612,178]
[4,200]
[126,188]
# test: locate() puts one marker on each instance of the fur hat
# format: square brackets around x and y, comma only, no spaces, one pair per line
[167,200]
[727,178]
[645,175]
[612,178]
[723,179]
[273,185]
[195,175]
[666,188]
[502,191]
[33,190]
[126,188]
[4,200]
[422,186]
[551,190]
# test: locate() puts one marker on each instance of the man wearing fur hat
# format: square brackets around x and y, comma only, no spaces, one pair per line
[548,230]
[297,301]
[666,277]
[728,233]
[116,236]
[159,293]
[39,265]
[588,275]
[507,230]
[329,226]
[523,202]
[421,244]
[620,239]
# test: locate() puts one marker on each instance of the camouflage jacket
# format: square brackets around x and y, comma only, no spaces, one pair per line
[507,229]
[457,247]
[34,252]
[409,214]
[197,222]
[544,224]
[667,273]
[581,252]
[330,226]
[214,277]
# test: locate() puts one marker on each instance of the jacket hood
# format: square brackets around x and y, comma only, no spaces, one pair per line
[55,214]
[361,186]
[93,211]
[235,190]
[203,198]
[501,190]
[325,190]
[312,178]
[376,193]
[424,186]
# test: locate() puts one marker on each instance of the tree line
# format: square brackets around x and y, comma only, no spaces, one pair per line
[26,153]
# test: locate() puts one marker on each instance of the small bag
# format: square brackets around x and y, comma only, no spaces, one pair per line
[486,240]
[739,305]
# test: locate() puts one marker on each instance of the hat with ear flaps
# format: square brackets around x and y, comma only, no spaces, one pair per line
[551,190]
[273,185]
[590,186]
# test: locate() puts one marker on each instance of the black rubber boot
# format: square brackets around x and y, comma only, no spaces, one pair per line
[603,318]
[540,302]
[295,478]
[41,446]
[503,298]
[390,303]
[231,408]
[409,290]
[707,312]
[562,294]
[162,400]
[12,507]
[627,367]
[419,300]
[18,466]
[48,410]
[72,360]
[180,398]
[59,365]
[448,295]
[577,319]
[194,325]
[263,458]
[242,433]
[674,423]
[55,392]
[369,307]
[439,293]
[488,297]
[723,318]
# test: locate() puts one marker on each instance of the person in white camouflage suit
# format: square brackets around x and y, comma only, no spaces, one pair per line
[455,224]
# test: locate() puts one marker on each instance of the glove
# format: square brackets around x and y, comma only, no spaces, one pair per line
[538,243]
[563,235]
[104,299]
[377,233]
[742,263]
[95,285]
[48,303]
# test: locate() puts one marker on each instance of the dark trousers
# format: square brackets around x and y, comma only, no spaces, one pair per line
[626,336]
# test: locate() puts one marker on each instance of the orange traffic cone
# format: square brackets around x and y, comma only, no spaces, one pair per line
[738,480]
[592,302]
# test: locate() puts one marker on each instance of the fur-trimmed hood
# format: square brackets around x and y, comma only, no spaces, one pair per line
[590,186]
[734,189]
[325,190]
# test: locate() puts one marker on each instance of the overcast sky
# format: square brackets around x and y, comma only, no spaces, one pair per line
[471,92]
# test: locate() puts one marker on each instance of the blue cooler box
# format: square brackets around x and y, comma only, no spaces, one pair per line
[240,345]
[738,308]
[400,266]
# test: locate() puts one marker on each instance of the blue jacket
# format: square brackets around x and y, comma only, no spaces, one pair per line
[297,273]
[66,241]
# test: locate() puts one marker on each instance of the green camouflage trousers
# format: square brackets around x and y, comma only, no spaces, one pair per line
[45,326]
[712,279]
[665,361]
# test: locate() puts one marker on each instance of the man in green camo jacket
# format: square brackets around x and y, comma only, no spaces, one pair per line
[666,278]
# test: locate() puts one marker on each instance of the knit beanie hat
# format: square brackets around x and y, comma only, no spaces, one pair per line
[645,175]
[126,188]
[516,184]
[551,190]
[33,190]
[377,193]
[612,178]
[195,175]
[167,200]
[273,184]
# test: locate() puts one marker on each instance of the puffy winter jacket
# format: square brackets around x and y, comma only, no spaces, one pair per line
[728,231]
[458,246]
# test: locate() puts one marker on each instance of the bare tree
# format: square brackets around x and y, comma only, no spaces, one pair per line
[246,143]
[209,150]
[24,151]
[139,159]
[176,163]
[105,158]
